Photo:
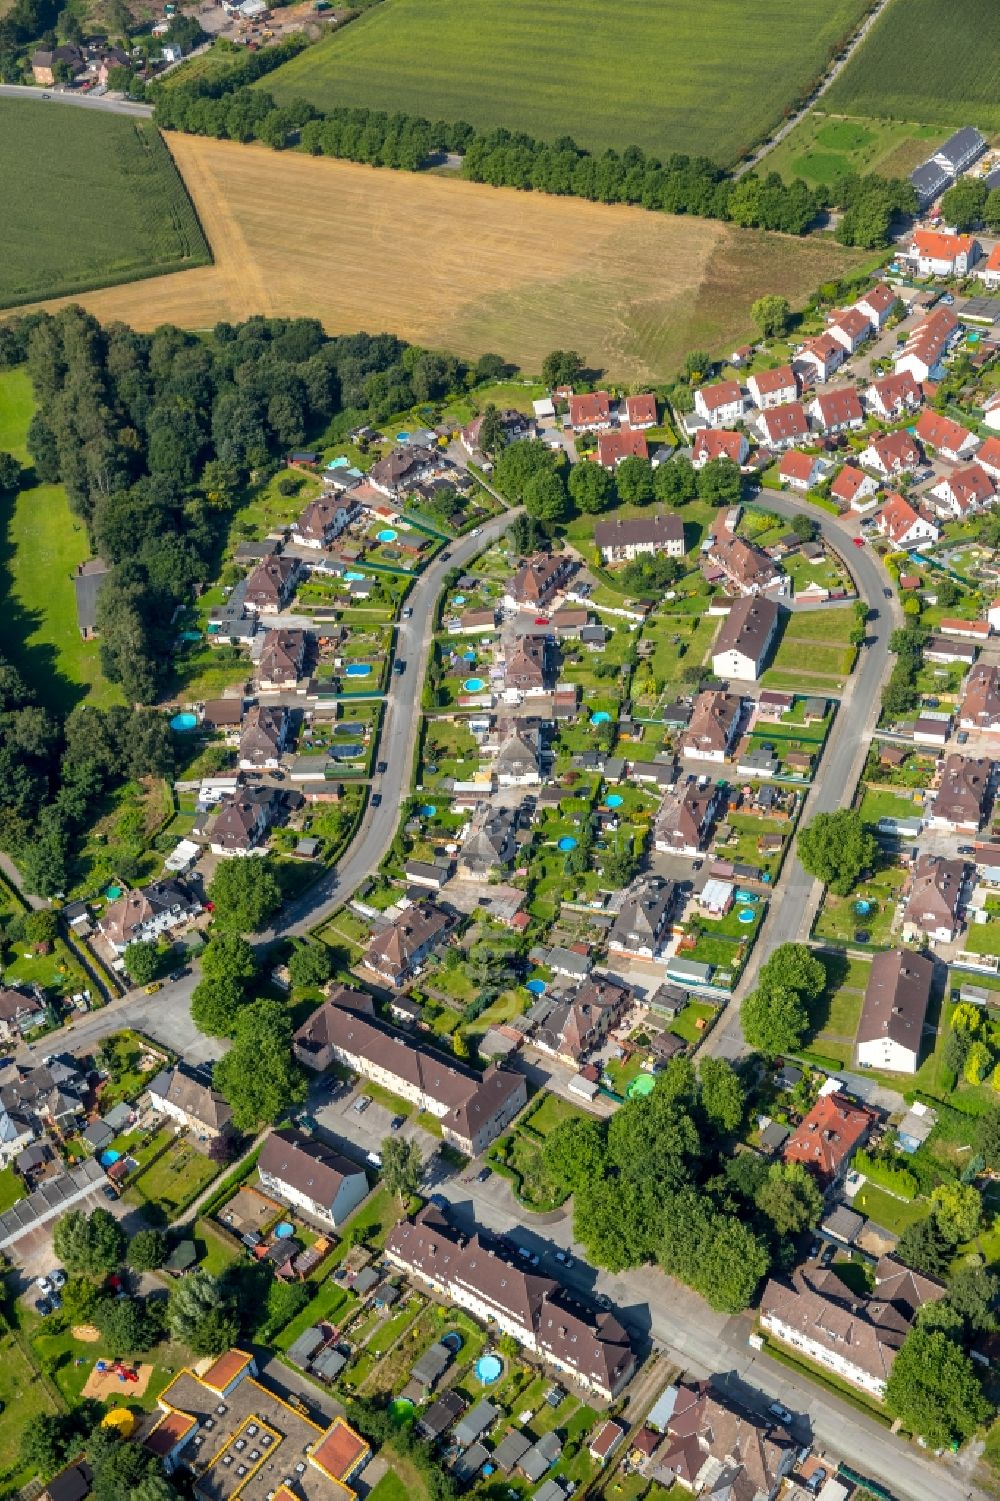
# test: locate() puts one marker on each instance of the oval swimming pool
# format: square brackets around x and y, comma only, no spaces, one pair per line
[601,717]
[387,534]
[108,1157]
[489,1368]
[474,685]
[567,843]
[614,799]
[537,987]
[184,722]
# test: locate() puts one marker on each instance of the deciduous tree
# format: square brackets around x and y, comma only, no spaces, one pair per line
[259,1077]
[245,893]
[837,848]
[402,1166]
[934,1390]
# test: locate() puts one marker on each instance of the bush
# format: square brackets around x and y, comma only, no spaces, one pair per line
[898,1181]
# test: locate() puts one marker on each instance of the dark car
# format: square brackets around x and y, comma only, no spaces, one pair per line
[399,666]
[445,556]
[887,593]
[376,799]
[483,1174]
[382,766]
[397,1123]
[178,974]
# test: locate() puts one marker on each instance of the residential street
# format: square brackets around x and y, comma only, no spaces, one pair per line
[82,101]
[790,915]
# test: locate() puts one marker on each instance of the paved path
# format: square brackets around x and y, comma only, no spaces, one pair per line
[790,914]
[835,69]
[82,101]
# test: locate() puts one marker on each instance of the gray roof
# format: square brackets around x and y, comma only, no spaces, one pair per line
[48,1199]
[471,1462]
[87,583]
[510,1450]
[329,1363]
[303,1349]
[844,1224]
[965,145]
[432,1364]
[928,180]
[98,1135]
[476,1422]
[552,1490]
[118,1116]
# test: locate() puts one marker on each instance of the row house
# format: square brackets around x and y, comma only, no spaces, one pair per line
[850,329]
[719,443]
[311,1176]
[720,405]
[624,538]
[781,426]
[538,580]
[473,1108]
[480,1276]
[147,914]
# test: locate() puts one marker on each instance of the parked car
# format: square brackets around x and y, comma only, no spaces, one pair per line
[963,737]
[859,541]
[152,988]
[43,1284]
[376,799]
[44,1307]
[887,593]
[483,1174]
[374,1158]
[602,1300]
[564,1260]
[381,767]
[397,1123]
[408,612]
[361,1103]
[781,1413]
[58,1277]
[399,666]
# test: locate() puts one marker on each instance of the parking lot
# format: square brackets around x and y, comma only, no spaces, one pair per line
[357,1133]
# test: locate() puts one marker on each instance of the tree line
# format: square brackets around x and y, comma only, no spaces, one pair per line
[680,184]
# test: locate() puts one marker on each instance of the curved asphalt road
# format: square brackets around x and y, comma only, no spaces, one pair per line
[791,912]
[82,101]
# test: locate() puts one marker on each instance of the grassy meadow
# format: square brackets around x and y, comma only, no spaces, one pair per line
[89,199]
[41,542]
[475,269]
[676,77]
[823,146]
[928,62]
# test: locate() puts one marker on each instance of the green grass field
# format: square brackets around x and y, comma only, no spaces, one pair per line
[922,63]
[89,199]
[823,146]
[41,543]
[664,77]
[22,1398]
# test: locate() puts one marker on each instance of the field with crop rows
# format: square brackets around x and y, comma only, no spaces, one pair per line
[939,64]
[88,199]
[460,266]
[708,80]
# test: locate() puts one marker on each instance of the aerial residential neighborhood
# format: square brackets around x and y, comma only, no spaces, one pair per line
[499,722]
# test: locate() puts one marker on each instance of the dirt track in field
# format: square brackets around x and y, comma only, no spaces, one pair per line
[461,266]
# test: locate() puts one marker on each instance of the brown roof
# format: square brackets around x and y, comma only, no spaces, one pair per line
[827,1136]
[263,733]
[591,406]
[981,704]
[478,617]
[702,1422]
[712,722]
[902,1286]
[282,655]
[725,393]
[661,527]
[127,915]
[15,1003]
[340,1451]
[896,390]
[598,1348]
[683,817]
[769,381]
[896,450]
[621,443]
[236,821]
[788,421]
[220,712]
[797,465]
[640,408]
[320,515]
[168,1433]
[269,581]
[396,944]
[746,565]
[848,483]
[718,443]
[964,791]
[840,406]
[225,1369]
[537,578]
[748,626]
[306,1165]
[935,892]
[941,431]
[196,1098]
[897,996]
[855,1329]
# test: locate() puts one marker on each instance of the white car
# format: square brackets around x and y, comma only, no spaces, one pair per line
[44,1285]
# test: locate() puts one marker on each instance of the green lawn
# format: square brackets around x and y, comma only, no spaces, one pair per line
[390,1488]
[11,1189]
[89,199]
[823,146]
[813,657]
[983,938]
[552,1112]
[41,543]
[912,67]
[892,1214]
[659,77]
[174,1179]
[880,803]
[22,1398]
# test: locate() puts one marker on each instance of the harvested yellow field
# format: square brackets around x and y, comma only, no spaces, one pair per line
[461,266]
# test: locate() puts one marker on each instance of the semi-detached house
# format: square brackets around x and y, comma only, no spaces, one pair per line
[897,996]
[473,1108]
[478,1275]
[891,395]
[720,405]
[395,951]
[620,540]
[773,388]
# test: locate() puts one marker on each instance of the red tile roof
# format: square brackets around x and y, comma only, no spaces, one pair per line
[796,465]
[718,443]
[621,443]
[640,409]
[769,381]
[340,1450]
[941,247]
[941,431]
[594,406]
[723,394]
[828,1135]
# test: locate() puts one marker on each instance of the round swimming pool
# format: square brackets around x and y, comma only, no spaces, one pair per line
[601,717]
[284,1231]
[358,670]
[459,599]
[452,1341]
[108,1157]
[489,1369]
[184,722]
[745,915]
[387,534]
[614,800]
[537,987]
[474,685]
[401,1410]
[862,908]
[642,1084]
[428,810]
[567,843]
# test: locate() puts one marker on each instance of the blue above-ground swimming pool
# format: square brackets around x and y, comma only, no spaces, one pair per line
[567,843]
[474,685]
[459,599]
[469,656]
[387,534]
[428,810]
[452,1341]
[108,1157]
[284,1231]
[745,914]
[862,908]
[537,987]
[601,717]
[614,799]
[489,1368]
[401,437]
[353,577]
[184,722]
[358,670]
